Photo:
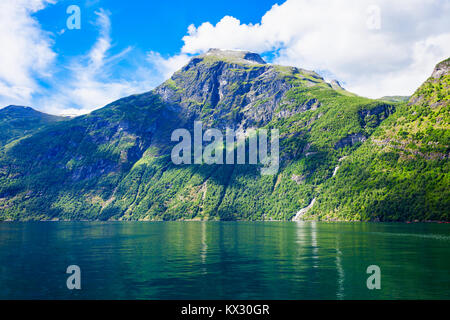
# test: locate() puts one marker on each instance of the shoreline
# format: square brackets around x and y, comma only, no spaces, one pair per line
[254,221]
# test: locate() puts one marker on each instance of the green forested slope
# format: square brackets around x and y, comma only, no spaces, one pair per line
[115,162]
[402,172]
[17,121]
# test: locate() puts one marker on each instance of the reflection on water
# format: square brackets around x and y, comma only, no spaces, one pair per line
[315,250]
[224,260]
[340,271]
[204,250]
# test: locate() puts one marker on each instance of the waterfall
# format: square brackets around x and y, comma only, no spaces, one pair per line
[299,214]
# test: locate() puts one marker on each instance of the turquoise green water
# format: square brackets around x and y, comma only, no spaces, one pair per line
[224,260]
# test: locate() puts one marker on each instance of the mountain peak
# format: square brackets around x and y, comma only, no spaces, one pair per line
[14,107]
[19,111]
[234,56]
[441,69]
[436,90]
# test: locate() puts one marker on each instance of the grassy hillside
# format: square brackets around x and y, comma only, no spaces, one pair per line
[115,162]
[17,121]
[402,172]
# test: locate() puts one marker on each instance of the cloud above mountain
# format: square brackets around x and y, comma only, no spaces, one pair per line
[88,83]
[31,73]
[376,47]
[26,52]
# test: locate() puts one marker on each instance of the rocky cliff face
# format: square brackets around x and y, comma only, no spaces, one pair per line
[232,89]
[441,69]
[436,89]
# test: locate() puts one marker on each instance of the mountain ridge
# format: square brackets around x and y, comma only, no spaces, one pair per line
[114,163]
[18,121]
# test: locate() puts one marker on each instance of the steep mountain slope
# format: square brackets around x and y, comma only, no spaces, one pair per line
[402,171]
[58,168]
[115,162]
[317,125]
[17,121]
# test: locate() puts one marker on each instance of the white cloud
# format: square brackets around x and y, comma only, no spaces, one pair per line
[229,33]
[89,83]
[334,35]
[167,66]
[26,52]
[27,60]
[327,35]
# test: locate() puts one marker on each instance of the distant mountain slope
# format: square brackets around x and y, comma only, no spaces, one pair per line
[402,171]
[115,162]
[395,98]
[17,121]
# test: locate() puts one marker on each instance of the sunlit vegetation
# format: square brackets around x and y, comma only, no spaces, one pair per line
[115,162]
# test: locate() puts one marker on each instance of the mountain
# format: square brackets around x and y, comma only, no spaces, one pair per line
[395,98]
[115,163]
[402,171]
[18,121]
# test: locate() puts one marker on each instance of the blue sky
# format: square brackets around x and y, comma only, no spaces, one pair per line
[147,25]
[376,47]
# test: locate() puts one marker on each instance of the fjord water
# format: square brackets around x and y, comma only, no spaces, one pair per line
[224,260]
